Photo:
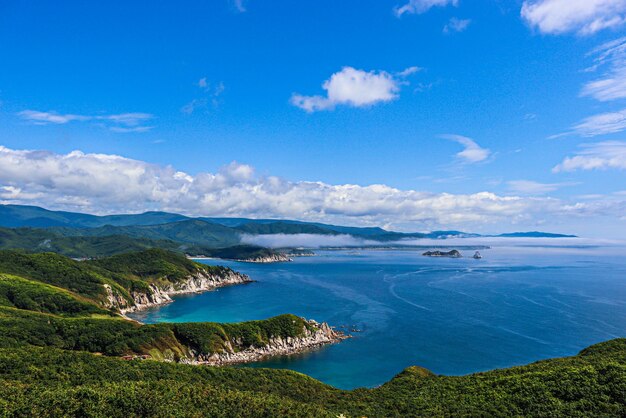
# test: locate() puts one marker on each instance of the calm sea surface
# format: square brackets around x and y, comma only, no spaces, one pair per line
[452,316]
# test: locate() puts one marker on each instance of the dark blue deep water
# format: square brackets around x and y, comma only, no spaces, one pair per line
[452,316]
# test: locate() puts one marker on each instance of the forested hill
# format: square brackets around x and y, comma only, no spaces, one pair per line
[48,300]
[53,382]
[203,230]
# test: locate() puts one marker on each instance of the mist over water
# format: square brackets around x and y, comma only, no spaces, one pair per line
[453,316]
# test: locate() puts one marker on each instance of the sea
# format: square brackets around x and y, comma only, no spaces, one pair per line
[523,301]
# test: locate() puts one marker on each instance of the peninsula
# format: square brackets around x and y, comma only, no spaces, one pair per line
[50,300]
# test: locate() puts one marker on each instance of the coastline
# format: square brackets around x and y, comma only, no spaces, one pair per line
[275,258]
[315,335]
[198,282]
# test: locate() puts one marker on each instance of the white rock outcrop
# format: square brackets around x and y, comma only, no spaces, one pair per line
[273,258]
[200,281]
[320,334]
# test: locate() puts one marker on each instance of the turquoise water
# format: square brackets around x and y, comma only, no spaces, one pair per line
[452,316]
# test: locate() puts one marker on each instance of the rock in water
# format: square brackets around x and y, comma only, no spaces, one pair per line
[451,254]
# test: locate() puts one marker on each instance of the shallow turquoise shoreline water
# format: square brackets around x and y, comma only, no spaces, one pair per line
[452,316]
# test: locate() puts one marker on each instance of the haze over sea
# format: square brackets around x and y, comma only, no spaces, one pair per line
[525,300]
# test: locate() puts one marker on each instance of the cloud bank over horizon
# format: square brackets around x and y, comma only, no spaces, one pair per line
[104,183]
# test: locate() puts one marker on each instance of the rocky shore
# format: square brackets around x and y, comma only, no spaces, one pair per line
[273,258]
[318,335]
[200,281]
[314,334]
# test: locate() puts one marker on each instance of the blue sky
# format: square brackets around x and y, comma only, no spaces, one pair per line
[486,115]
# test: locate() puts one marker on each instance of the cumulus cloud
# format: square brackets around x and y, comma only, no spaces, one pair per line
[355,88]
[456,25]
[103,183]
[599,156]
[611,85]
[584,17]
[122,122]
[422,6]
[472,152]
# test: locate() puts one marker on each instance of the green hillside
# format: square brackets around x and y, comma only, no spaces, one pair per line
[33,216]
[131,272]
[47,240]
[188,232]
[57,240]
[50,300]
[55,382]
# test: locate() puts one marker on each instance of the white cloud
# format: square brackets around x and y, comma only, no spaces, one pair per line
[356,88]
[104,183]
[126,119]
[584,17]
[601,124]
[612,84]
[535,188]
[422,6]
[472,152]
[456,25]
[44,118]
[599,156]
[122,122]
[121,129]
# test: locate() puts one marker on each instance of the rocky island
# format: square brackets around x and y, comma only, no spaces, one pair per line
[437,253]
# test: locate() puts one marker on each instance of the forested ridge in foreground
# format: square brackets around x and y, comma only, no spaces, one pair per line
[53,382]
[61,342]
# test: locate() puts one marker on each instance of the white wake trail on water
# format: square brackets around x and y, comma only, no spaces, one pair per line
[392,286]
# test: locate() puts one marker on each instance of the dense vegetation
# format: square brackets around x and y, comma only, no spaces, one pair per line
[82,245]
[189,232]
[50,300]
[26,294]
[47,240]
[116,336]
[125,273]
[52,382]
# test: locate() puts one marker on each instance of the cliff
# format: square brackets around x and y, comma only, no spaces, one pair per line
[270,258]
[312,335]
[161,293]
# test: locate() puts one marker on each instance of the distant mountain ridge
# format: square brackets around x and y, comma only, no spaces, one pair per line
[204,231]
